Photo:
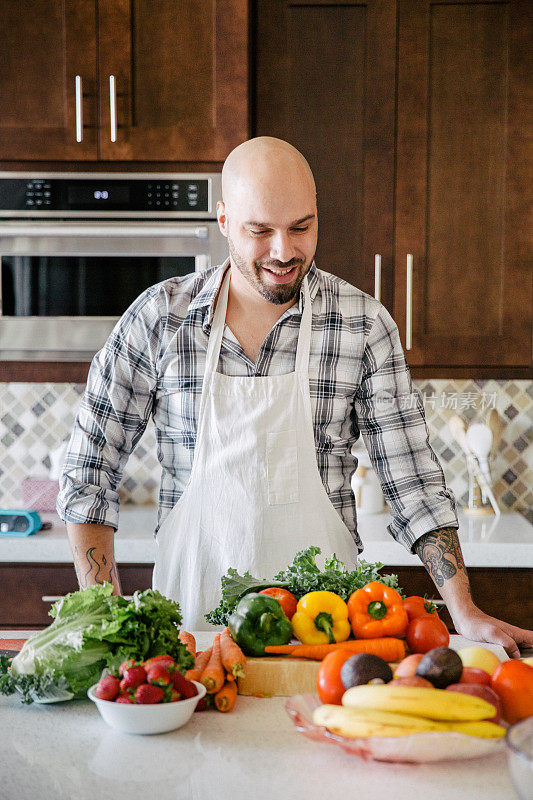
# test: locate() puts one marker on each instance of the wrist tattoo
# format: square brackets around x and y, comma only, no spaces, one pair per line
[440,552]
[96,571]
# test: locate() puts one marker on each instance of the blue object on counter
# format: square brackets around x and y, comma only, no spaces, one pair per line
[15,522]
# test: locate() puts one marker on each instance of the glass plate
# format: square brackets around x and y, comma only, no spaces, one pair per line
[417,748]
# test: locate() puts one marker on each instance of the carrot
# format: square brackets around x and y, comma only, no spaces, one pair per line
[189,641]
[213,675]
[233,659]
[226,697]
[387,647]
[202,660]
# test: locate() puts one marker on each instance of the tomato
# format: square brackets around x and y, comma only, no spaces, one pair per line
[425,633]
[329,686]
[418,607]
[513,682]
[286,599]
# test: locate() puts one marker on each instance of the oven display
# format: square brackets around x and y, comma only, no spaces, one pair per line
[80,196]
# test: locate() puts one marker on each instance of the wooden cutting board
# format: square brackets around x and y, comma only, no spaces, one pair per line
[278,676]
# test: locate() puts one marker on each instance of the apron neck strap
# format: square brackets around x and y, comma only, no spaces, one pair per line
[219,318]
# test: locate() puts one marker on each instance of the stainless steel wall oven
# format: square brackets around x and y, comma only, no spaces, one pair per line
[77,248]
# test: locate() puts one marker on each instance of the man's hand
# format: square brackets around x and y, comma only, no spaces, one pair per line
[440,552]
[479,627]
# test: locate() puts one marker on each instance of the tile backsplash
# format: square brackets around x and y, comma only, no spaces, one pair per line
[35,418]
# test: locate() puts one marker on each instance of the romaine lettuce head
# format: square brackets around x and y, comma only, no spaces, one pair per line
[94,629]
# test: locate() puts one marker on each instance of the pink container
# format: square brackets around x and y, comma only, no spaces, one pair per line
[39,494]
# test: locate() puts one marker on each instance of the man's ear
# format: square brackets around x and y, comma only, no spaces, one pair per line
[222,218]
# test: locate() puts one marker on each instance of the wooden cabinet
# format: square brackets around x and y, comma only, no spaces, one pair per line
[413,115]
[163,81]
[503,593]
[27,589]
[462,182]
[45,44]
[330,91]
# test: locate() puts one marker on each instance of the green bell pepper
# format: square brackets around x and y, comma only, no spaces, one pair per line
[257,621]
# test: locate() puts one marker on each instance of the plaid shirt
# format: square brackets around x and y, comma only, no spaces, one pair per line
[153,365]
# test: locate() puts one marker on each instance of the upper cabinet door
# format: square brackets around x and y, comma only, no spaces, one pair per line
[45,113]
[173,79]
[325,81]
[463,181]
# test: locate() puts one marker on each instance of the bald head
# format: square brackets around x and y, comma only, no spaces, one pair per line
[268,168]
[268,214]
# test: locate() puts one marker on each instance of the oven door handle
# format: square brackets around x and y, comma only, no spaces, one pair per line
[98,230]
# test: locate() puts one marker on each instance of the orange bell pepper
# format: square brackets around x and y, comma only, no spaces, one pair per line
[377,610]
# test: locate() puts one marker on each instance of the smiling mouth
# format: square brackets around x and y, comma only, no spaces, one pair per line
[280,271]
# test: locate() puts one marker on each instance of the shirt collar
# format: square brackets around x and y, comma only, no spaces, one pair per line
[206,297]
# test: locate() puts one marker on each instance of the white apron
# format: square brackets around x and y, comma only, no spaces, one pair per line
[255,496]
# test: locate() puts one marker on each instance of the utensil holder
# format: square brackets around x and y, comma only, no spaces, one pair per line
[477,505]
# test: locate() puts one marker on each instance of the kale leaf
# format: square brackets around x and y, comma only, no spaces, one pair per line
[302,576]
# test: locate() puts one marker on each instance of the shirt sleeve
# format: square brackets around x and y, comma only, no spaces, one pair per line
[390,416]
[112,416]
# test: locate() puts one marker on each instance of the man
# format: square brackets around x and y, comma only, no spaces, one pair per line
[259,375]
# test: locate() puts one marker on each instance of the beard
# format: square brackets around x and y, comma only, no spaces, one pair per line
[278,294]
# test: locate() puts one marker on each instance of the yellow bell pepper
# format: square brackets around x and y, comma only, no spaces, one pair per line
[321,618]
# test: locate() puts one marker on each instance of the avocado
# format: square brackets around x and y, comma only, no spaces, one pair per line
[441,666]
[363,668]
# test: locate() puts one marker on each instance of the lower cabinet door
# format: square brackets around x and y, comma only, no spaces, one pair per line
[504,593]
[29,590]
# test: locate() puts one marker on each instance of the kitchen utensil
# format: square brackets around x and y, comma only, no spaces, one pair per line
[496,425]
[416,748]
[479,439]
[153,718]
[458,429]
[519,742]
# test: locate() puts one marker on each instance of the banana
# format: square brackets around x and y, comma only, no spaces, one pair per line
[420,701]
[355,723]
[482,728]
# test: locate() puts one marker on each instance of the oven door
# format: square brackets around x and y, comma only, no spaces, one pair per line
[65,284]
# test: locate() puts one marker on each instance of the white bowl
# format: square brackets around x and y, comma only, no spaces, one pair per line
[149,718]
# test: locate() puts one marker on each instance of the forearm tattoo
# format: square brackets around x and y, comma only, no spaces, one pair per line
[90,570]
[440,552]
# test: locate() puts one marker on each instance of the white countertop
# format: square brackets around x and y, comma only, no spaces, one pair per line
[506,541]
[66,751]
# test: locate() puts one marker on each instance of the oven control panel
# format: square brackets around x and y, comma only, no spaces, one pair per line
[150,195]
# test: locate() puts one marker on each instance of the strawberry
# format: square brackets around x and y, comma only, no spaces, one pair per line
[107,688]
[158,675]
[133,677]
[185,687]
[147,693]
[126,665]
[173,696]
[124,698]
[165,660]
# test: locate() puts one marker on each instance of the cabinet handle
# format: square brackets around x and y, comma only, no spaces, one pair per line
[377,276]
[53,598]
[409,303]
[113,107]
[79,109]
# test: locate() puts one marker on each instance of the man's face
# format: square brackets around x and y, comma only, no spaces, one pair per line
[272,241]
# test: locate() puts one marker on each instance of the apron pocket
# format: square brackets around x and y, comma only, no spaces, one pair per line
[282,467]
